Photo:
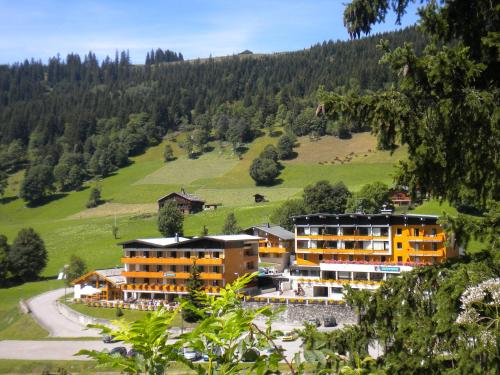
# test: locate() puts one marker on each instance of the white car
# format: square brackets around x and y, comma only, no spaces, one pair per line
[191,354]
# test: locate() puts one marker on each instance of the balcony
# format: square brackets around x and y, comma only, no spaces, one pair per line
[171,275]
[428,238]
[165,288]
[303,262]
[425,253]
[274,250]
[174,261]
[343,251]
[346,237]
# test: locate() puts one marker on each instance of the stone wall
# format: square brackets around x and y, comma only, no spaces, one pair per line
[80,318]
[298,313]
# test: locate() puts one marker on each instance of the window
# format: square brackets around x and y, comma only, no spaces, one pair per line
[132,254]
[172,268]
[433,231]
[416,232]
[399,231]
[351,258]
[400,259]
[434,246]
[215,254]
[382,258]
[250,266]
[320,256]
[187,254]
[186,268]
[158,268]
[399,245]
[202,255]
[215,269]
[173,254]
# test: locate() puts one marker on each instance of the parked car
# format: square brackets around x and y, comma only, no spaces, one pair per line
[191,354]
[314,321]
[289,336]
[132,353]
[120,350]
[108,339]
[330,322]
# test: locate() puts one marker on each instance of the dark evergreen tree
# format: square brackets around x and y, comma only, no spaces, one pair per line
[38,183]
[285,147]
[170,220]
[27,256]
[284,213]
[94,197]
[194,299]
[323,197]
[3,182]
[231,225]
[264,171]
[4,259]
[76,268]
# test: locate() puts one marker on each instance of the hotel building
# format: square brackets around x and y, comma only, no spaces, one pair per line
[362,250]
[159,268]
[275,246]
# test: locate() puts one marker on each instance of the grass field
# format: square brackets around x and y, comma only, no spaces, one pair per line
[67,227]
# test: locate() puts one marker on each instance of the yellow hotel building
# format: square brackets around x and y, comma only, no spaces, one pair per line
[160,267]
[362,250]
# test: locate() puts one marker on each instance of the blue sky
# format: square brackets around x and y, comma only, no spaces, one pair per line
[197,28]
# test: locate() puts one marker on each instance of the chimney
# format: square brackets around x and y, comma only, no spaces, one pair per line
[177,237]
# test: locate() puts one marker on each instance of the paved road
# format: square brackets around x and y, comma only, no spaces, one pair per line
[49,350]
[44,310]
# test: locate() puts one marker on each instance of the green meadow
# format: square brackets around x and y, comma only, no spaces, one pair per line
[67,227]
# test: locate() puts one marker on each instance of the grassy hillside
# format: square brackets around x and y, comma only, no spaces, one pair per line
[67,227]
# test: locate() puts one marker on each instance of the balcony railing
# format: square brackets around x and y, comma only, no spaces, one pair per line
[342,251]
[425,253]
[165,288]
[427,238]
[275,250]
[173,261]
[171,275]
[344,237]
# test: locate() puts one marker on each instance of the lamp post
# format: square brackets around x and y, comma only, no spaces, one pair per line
[65,277]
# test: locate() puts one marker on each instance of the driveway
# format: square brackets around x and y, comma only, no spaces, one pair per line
[44,309]
[49,350]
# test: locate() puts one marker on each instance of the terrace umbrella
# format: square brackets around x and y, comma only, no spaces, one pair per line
[89,291]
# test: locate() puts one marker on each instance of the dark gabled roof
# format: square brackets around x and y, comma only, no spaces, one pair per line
[356,218]
[275,230]
[319,214]
[171,242]
[189,197]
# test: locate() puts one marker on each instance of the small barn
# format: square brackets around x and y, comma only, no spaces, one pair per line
[259,198]
[187,203]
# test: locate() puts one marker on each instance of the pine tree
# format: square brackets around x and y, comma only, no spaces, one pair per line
[76,268]
[4,259]
[231,225]
[94,198]
[195,287]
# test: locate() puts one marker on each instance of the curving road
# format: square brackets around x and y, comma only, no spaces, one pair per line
[44,309]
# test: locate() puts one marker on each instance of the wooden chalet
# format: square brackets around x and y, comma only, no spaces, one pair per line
[187,203]
[104,284]
[400,198]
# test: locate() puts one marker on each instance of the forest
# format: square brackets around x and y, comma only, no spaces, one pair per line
[77,111]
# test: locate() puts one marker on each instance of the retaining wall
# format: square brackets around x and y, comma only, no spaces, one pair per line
[80,318]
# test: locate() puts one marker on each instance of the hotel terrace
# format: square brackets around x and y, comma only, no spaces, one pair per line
[361,250]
